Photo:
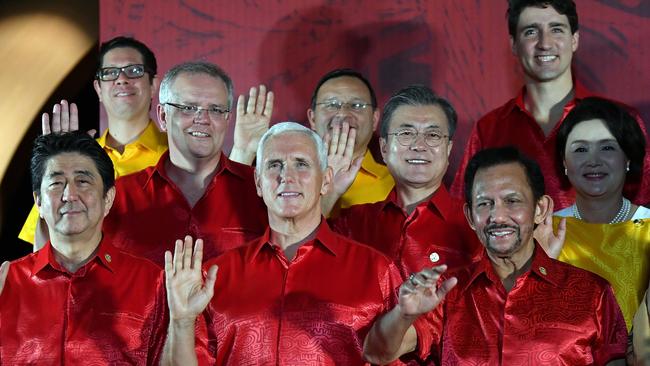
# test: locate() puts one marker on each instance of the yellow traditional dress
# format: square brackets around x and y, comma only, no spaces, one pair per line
[620,253]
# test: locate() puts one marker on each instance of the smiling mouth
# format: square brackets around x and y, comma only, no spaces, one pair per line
[500,232]
[594,176]
[546,58]
[198,134]
[124,94]
[289,194]
[418,161]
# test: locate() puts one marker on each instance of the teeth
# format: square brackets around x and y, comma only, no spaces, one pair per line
[546,58]
[289,194]
[199,134]
[500,233]
[123,94]
[417,161]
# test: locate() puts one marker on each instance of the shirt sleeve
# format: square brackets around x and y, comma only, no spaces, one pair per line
[612,336]
[428,328]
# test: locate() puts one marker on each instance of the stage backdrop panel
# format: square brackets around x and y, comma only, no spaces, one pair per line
[460,49]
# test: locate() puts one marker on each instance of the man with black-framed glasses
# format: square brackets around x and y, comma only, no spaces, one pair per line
[125,81]
[418,225]
[194,189]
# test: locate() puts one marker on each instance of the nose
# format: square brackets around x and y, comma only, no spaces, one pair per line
[121,78]
[287,174]
[498,213]
[593,158]
[70,193]
[419,144]
[544,40]
[201,116]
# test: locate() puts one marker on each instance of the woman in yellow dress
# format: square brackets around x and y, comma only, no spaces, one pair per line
[601,147]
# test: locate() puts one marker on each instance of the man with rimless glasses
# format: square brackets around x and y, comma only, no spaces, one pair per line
[418,225]
[194,189]
[344,103]
[125,81]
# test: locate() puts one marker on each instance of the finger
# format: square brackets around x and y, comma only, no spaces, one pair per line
[4,270]
[268,109]
[197,259]
[169,265]
[65,116]
[561,229]
[343,139]
[187,252]
[45,124]
[178,255]
[210,280]
[252,98]
[241,105]
[420,280]
[56,118]
[326,139]
[261,99]
[335,132]
[356,165]
[445,287]
[92,132]
[349,144]
[74,117]
[433,273]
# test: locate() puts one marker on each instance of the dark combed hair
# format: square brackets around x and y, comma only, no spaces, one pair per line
[337,73]
[619,122]
[53,144]
[504,155]
[148,58]
[416,95]
[563,7]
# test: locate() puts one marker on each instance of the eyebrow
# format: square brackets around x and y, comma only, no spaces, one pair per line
[84,172]
[598,141]
[429,127]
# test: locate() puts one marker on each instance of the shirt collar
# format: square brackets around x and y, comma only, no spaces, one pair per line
[440,201]
[150,138]
[370,166]
[325,237]
[542,266]
[580,92]
[45,256]
[224,165]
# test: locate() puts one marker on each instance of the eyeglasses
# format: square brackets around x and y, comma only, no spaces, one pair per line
[407,136]
[130,71]
[335,106]
[215,113]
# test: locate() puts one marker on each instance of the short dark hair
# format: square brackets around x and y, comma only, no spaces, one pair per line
[53,144]
[337,73]
[619,122]
[564,7]
[148,58]
[504,155]
[416,95]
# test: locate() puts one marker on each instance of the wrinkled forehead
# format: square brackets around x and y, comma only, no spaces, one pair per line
[501,180]
[288,144]
[69,163]
[346,88]
[199,86]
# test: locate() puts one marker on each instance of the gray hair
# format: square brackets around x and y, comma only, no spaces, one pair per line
[285,127]
[193,67]
[416,95]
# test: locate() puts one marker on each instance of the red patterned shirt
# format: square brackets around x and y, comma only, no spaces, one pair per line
[436,232]
[555,314]
[512,124]
[313,310]
[150,212]
[110,311]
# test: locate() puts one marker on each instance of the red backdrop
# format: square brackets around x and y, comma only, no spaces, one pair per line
[460,48]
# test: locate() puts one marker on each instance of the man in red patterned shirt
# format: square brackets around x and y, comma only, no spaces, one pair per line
[194,189]
[79,300]
[544,36]
[299,295]
[516,306]
[419,224]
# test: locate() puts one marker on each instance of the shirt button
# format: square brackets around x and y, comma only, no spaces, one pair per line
[542,270]
[434,257]
[108,258]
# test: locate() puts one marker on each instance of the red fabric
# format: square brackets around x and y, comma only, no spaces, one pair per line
[150,212]
[437,226]
[556,314]
[313,310]
[511,124]
[110,311]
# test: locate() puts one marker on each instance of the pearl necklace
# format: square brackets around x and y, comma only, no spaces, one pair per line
[622,214]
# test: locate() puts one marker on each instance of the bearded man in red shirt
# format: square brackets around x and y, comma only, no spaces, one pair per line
[79,300]
[515,306]
[299,295]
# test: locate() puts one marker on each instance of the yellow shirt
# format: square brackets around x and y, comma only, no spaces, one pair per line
[620,253]
[373,183]
[137,155]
